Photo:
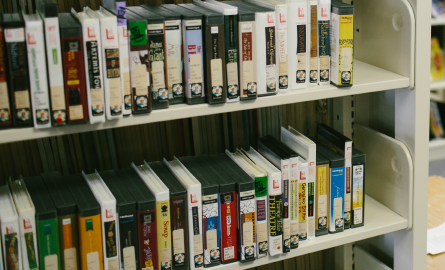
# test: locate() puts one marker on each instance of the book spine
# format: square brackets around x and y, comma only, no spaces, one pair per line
[164,234]
[174,65]
[313,63]
[37,74]
[28,241]
[348,182]
[300,61]
[337,200]
[148,246]
[18,77]
[159,93]
[302,201]
[194,68]
[93,71]
[110,65]
[74,74]
[294,206]
[11,245]
[216,85]
[195,228]
[247,63]
[90,235]
[124,66]
[128,241]
[232,57]
[282,57]
[247,225]
[228,207]
[261,206]
[55,71]
[285,169]
[324,50]
[109,239]
[310,199]
[140,79]
[342,41]
[275,221]
[358,200]
[48,235]
[211,224]
[69,242]
[179,232]
[322,200]
[271,54]
[5,110]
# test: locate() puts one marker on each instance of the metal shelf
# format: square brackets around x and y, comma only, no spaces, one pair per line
[437,21]
[437,150]
[367,79]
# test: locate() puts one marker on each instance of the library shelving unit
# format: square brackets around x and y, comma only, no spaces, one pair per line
[388,120]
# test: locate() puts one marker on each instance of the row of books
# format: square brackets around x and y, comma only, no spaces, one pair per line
[189,212]
[118,61]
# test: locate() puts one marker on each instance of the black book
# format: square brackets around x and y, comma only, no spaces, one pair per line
[5,106]
[17,67]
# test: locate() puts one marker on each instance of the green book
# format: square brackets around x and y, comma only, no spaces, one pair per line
[47,227]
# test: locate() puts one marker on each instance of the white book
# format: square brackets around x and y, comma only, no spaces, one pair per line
[54,68]
[313,48]
[275,201]
[324,51]
[93,67]
[38,79]
[27,222]
[193,187]
[114,100]
[308,150]
[10,229]
[304,189]
[299,44]
[110,230]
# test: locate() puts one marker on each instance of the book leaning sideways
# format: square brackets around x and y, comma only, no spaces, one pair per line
[10,231]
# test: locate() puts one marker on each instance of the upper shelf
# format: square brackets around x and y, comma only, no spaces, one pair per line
[367,79]
[437,21]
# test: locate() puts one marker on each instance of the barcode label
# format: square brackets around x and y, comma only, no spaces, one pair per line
[229,253]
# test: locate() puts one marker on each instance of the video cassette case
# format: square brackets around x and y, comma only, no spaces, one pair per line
[127,224]
[89,222]
[5,108]
[194,211]
[324,49]
[146,218]
[313,57]
[358,188]
[27,222]
[46,219]
[66,219]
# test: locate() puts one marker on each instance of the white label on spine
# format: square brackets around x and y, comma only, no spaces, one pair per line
[346,59]
[338,208]
[358,215]
[129,258]
[113,264]
[247,234]
[216,71]
[178,241]
[93,261]
[70,258]
[140,74]
[197,244]
[212,239]
[51,262]
[214,29]
[195,68]
[229,253]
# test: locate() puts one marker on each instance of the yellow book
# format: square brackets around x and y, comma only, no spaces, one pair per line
[437,66]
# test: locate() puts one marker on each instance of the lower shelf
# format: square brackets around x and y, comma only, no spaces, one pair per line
[437,150]
[378,220]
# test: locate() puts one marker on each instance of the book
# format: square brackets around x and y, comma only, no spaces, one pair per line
[146,218]
[46,220]
[18,83]
[313,58]
[230,45]
[5,109]
[358,160]
[66,219]
[174,59]
[342,43]
[307,150]
[266,67]
[322,195]
[162,195]
[114,100]
[227,206]
[27,222]
[298,43]
[93,68]
[436,126]
[193,53]
[178,215]
[324,49]
[156,56]
[73,69]
[336,196]
[260,177]
[214,60]
[343,146]
[118,9]
[246,205]
[138,57]
[194,210]
[211,215]
[48,11]
[89,217]
[10,231]
[274,208]
[38,78]
[126,211]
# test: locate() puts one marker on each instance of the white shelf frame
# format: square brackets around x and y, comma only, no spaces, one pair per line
[437,150]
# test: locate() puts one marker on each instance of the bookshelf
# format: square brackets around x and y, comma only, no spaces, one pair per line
[437,21]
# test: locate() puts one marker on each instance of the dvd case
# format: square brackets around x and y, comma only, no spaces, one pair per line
[5,109]
[324,49]
[313,58]
[358,188]
[10,231]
